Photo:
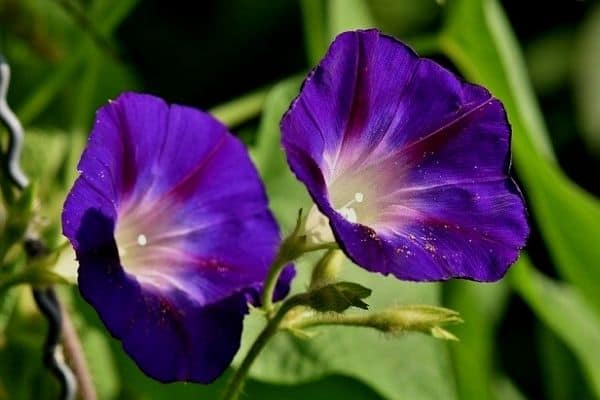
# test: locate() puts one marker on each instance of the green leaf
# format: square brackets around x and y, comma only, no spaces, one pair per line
[564,310]
[338,297]
[481,306]
[330,388]
[477,37]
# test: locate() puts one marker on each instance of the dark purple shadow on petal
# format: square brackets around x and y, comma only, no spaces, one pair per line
[170,337]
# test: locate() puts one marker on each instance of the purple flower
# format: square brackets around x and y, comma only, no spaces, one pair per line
[171,228]
[407,164]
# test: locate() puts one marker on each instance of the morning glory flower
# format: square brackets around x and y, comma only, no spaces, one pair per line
[406,163]
[170,225]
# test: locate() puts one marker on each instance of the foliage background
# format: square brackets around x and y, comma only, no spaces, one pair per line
[536,334]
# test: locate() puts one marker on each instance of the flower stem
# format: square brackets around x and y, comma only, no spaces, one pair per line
[271,282]
[234,389]
[410,318]
[292,247]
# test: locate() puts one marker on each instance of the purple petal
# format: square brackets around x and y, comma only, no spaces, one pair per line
[409,163]
[170,224]
[167,333]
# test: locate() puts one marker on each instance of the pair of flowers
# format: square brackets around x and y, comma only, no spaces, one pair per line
[407,166]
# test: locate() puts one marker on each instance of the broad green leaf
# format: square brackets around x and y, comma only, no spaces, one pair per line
[565,311]
[411,366]
[478,39]
[330,388]
[481,306]
[140,387]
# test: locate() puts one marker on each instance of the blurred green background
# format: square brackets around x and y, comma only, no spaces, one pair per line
[534,335]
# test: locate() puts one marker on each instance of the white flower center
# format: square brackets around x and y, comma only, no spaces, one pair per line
[140,235]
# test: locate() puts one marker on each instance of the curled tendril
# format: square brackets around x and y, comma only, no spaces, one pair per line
[45,298]
[15,131]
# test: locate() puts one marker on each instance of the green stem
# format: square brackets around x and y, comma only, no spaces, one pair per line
[271,282]
[318,319]
[415,318]
[291,248]
[234,389]
[241,109]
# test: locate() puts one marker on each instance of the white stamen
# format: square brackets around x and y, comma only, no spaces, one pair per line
[348,212]
[359,197]
[142,240]
[316,225]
